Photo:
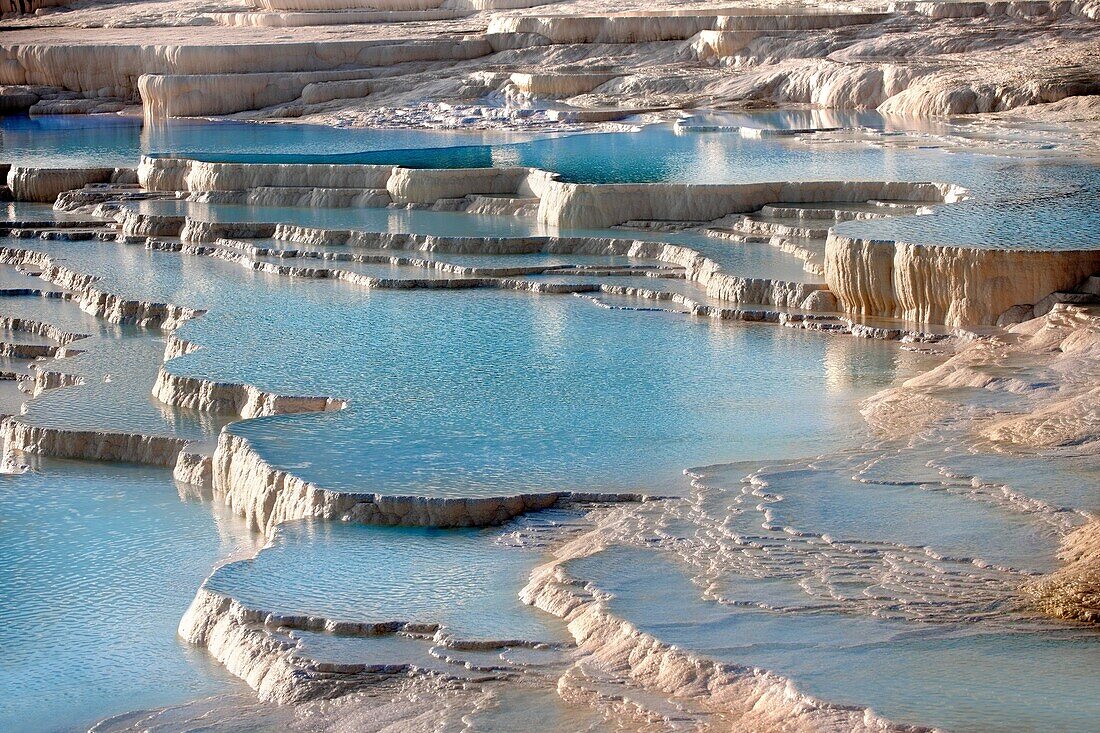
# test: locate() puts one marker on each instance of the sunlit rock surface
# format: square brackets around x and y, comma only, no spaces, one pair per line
[951,285]
[906,577]
[43,185]
[923,58]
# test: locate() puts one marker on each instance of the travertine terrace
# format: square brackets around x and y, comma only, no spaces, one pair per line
[414,63]
[566,366]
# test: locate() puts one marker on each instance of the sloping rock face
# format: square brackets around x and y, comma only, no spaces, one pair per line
[1073,592]
[27,7]
[1055,362]
[957,286]
[43,185]
[253,644]
[194,95]
[914,58]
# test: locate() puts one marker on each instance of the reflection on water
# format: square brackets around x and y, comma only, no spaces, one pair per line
[964,679]
[867,577]
[106,140]
[463,579]
[97,564]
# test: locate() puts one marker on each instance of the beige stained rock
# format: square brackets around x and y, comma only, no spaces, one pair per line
[956,286]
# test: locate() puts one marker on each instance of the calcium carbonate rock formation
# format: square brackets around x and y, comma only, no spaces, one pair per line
[252,644]
[696,267]
[561,204]
[236,637]
[244,400]
[43,185]
[196,230]
[1056,362]
[100,303]
[116,70]
[183,174]
[570,205]
[426,186]
[957,286]
[197,95]
[40,328]
[750,699]
[318,5]
[936,58]
[647,27]
[972,287]
[267,496]
[89,445]
[558,84]
[136,223]
[296,19]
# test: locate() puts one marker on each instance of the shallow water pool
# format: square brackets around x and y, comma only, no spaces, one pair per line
[960,678]
[97,564]
[464,580]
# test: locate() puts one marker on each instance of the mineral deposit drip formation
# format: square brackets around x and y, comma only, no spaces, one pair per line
[499,365]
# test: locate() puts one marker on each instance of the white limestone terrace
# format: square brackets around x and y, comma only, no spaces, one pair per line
[234,472]
[294,657]
[271,650]
[571,62]
[276,654]
[264,495]
[363,64]
[956,286]
[327,635]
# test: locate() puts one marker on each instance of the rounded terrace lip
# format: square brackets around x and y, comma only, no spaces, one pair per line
[902,580]
[292,656]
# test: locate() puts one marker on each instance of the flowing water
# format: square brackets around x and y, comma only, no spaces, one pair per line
[881,575]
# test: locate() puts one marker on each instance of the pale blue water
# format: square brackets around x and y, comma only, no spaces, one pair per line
[1073,485]
[488,392]
[1020,202]
[962,678]
[118,364]
[66,316]
[474,393]
[111,140]
[118,370]
[465,580]
[97,564]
